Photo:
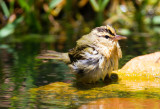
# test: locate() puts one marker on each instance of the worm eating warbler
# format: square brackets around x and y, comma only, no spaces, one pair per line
[95,55]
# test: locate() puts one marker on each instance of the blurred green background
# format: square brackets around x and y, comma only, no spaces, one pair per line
[29,26]
[67,20]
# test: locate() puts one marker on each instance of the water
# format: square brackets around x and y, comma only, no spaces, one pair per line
[24,79]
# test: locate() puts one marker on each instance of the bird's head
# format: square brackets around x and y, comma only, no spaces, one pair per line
[104,39]
[107,32]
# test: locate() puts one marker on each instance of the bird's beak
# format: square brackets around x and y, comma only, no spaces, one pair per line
[118,37]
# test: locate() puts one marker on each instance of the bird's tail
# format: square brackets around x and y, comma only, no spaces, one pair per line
[49,54]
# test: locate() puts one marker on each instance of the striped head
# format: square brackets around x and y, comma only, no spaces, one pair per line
[107,32]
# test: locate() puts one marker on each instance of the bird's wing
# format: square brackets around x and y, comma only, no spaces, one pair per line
[77,53]
[86,62]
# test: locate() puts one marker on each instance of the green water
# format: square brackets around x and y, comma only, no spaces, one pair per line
[20,71]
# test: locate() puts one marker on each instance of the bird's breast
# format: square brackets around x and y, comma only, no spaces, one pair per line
[106,49]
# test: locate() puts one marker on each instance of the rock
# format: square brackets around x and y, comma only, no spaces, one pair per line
[148,64]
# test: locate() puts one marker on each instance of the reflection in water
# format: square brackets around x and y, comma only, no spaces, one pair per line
[20,71]
[112,80]
[5,89]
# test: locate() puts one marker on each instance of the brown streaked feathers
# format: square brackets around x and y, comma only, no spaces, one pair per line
[95,55]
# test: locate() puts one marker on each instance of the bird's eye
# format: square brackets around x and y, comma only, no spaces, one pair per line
[106,36]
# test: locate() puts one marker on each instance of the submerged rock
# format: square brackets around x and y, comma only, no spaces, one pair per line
[122,103]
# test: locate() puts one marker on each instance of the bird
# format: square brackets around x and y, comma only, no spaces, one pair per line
[94,57]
